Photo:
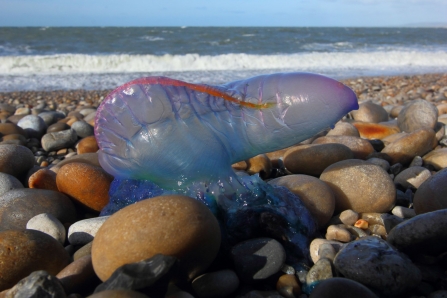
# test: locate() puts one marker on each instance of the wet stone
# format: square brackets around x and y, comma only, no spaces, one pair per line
[374,263]
[258,259]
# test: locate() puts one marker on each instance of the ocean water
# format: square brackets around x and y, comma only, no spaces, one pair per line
[53,58]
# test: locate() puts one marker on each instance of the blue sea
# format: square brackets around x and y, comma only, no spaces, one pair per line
[56,58]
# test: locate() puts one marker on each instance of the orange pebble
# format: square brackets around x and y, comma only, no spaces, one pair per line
[361,223]
[43,179]
[88,145]
[288,285]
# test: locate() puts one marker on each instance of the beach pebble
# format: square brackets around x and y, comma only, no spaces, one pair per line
[316,195]
[83,251]
[257,259]
[403,212]
[259,164]
[22,111]
[215,284]
[339,287]
[34,126]
[18,206]
[43,179]
[83,231]
[376,264]
[8,182]
[320,271]
[338,234]
[16,160]
[7,109]
[288,286]
[87,145]
[88,158]
[417,114]
[315,245]
[153,273]
[348,217]
[422,234]
[54,141]
[172,225]
[361,148]
[87,111]
[38,284]
[50,117]
[56,127]
[11,128]
[326,251]
[118,293]
[370,112]
[25,251]
[48,224]
[15,139]
[347,177]
[412,177]
[344,129]
[79,276]
[375,130]
[86,184]
[417,143]
[82,129]
[313,159]
[431,195]
[379,162]
[436,158]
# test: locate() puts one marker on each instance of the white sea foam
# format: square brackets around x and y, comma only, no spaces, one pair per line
[70,64]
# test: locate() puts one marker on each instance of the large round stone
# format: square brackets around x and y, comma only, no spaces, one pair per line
[416,115]
[417,143]
[360,186]
[370,112]
[86,184]
[376,264]
[313,159]
[15,160]
[344,129]
[34,126]
[25,251]
[432,194]
[18,206]
[316,195]
[171,225]
[360,147]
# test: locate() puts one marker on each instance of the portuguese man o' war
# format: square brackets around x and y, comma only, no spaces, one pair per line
[163,136]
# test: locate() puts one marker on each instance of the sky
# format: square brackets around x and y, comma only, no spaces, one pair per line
[344,13]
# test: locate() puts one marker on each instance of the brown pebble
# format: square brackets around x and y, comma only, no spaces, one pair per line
[79,276]
[338,234]
[88,158]
[88,145]
[16,160]
[417,114]
[59,126]
[370,112]
[417,143]
[172,225]
[436,158]
[83,251]
[25,251]
[316,195]
[43,179]
[344,129]
[259,164]
[288,286]
[360,186]
[361,224]
[360,147]
[119,293]
[313,159]
[240,166]
[86,184]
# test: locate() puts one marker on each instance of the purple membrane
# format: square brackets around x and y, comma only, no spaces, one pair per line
[159,136]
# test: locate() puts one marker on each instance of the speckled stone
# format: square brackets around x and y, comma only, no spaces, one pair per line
[339,287]
[313,159]
[8,182]
[87,145]
[436,158]
[347,177]
[86,184]
[344,129]
[25,251]
[171,225]
[360,147]
[316,195]
[16,160]
[370,112]
[417,143]
[375,263]
[431,195]
[417,114]
[18,206]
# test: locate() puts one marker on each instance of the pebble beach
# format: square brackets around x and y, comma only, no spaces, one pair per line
[375,184]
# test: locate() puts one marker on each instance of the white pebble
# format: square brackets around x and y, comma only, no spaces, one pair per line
[83,231]
[403,212]
[48,224]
